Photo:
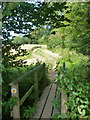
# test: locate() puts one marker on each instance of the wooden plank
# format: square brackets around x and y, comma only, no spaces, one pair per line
[41,102]
[26,95]
[48,108]
[28,73]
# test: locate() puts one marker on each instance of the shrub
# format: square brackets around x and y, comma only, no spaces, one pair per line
[75,81]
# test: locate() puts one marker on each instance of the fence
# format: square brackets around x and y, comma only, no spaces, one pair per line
[15,89]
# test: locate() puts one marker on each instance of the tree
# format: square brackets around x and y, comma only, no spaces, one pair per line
[7,59]
[75,35]
[78,31]
[51,14]
[20,40]
[38,33]
[16,17]
[21,17]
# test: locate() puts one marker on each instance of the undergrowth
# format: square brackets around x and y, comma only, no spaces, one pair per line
[75,81]
[11,74]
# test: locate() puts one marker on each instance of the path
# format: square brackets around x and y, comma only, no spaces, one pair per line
[44,108]
[42,54]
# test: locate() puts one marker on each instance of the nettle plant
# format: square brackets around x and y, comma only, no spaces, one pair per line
[75,81]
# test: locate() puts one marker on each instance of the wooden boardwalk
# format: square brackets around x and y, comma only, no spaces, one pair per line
[45,108]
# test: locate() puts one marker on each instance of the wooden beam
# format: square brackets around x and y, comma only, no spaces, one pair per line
[56,109]
[26,95]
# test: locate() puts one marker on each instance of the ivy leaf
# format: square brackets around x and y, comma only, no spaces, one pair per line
[70,86]
[82,106]
[75,93]
[56,80]
[60,76]
[83,112]
[65,81]
[79,110]
[77,99]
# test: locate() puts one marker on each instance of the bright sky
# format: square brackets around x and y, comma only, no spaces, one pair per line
[12,33]
[33,1]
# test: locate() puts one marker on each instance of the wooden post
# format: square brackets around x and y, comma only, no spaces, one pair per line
[36,85]
[16,108]
[63,98]
[44,75]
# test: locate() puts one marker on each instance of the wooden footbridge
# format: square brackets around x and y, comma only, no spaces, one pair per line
[44,108]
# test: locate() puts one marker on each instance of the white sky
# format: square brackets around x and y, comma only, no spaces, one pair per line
[33,1]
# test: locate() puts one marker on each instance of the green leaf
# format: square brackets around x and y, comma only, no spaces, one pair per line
[77,99]
[60,76]
[82,106]
[70,86]
[83,112]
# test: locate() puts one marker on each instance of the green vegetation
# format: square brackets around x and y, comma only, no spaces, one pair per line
[12,74]
[75,35]
[21,40]
[64,28]
[75,81]
[28,112]
[73,45]
[47,56]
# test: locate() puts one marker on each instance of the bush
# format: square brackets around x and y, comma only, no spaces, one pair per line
[75,81]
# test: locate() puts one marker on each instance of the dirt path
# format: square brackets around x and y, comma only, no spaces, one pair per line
[43,55]
[52,75]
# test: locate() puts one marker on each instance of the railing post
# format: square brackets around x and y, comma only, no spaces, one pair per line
[44,74]
[63,98]
[36,85]
[16,108]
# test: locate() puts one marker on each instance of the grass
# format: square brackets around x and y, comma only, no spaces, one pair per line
[49,58]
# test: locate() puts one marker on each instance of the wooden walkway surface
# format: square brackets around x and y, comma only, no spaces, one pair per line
[45,108]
